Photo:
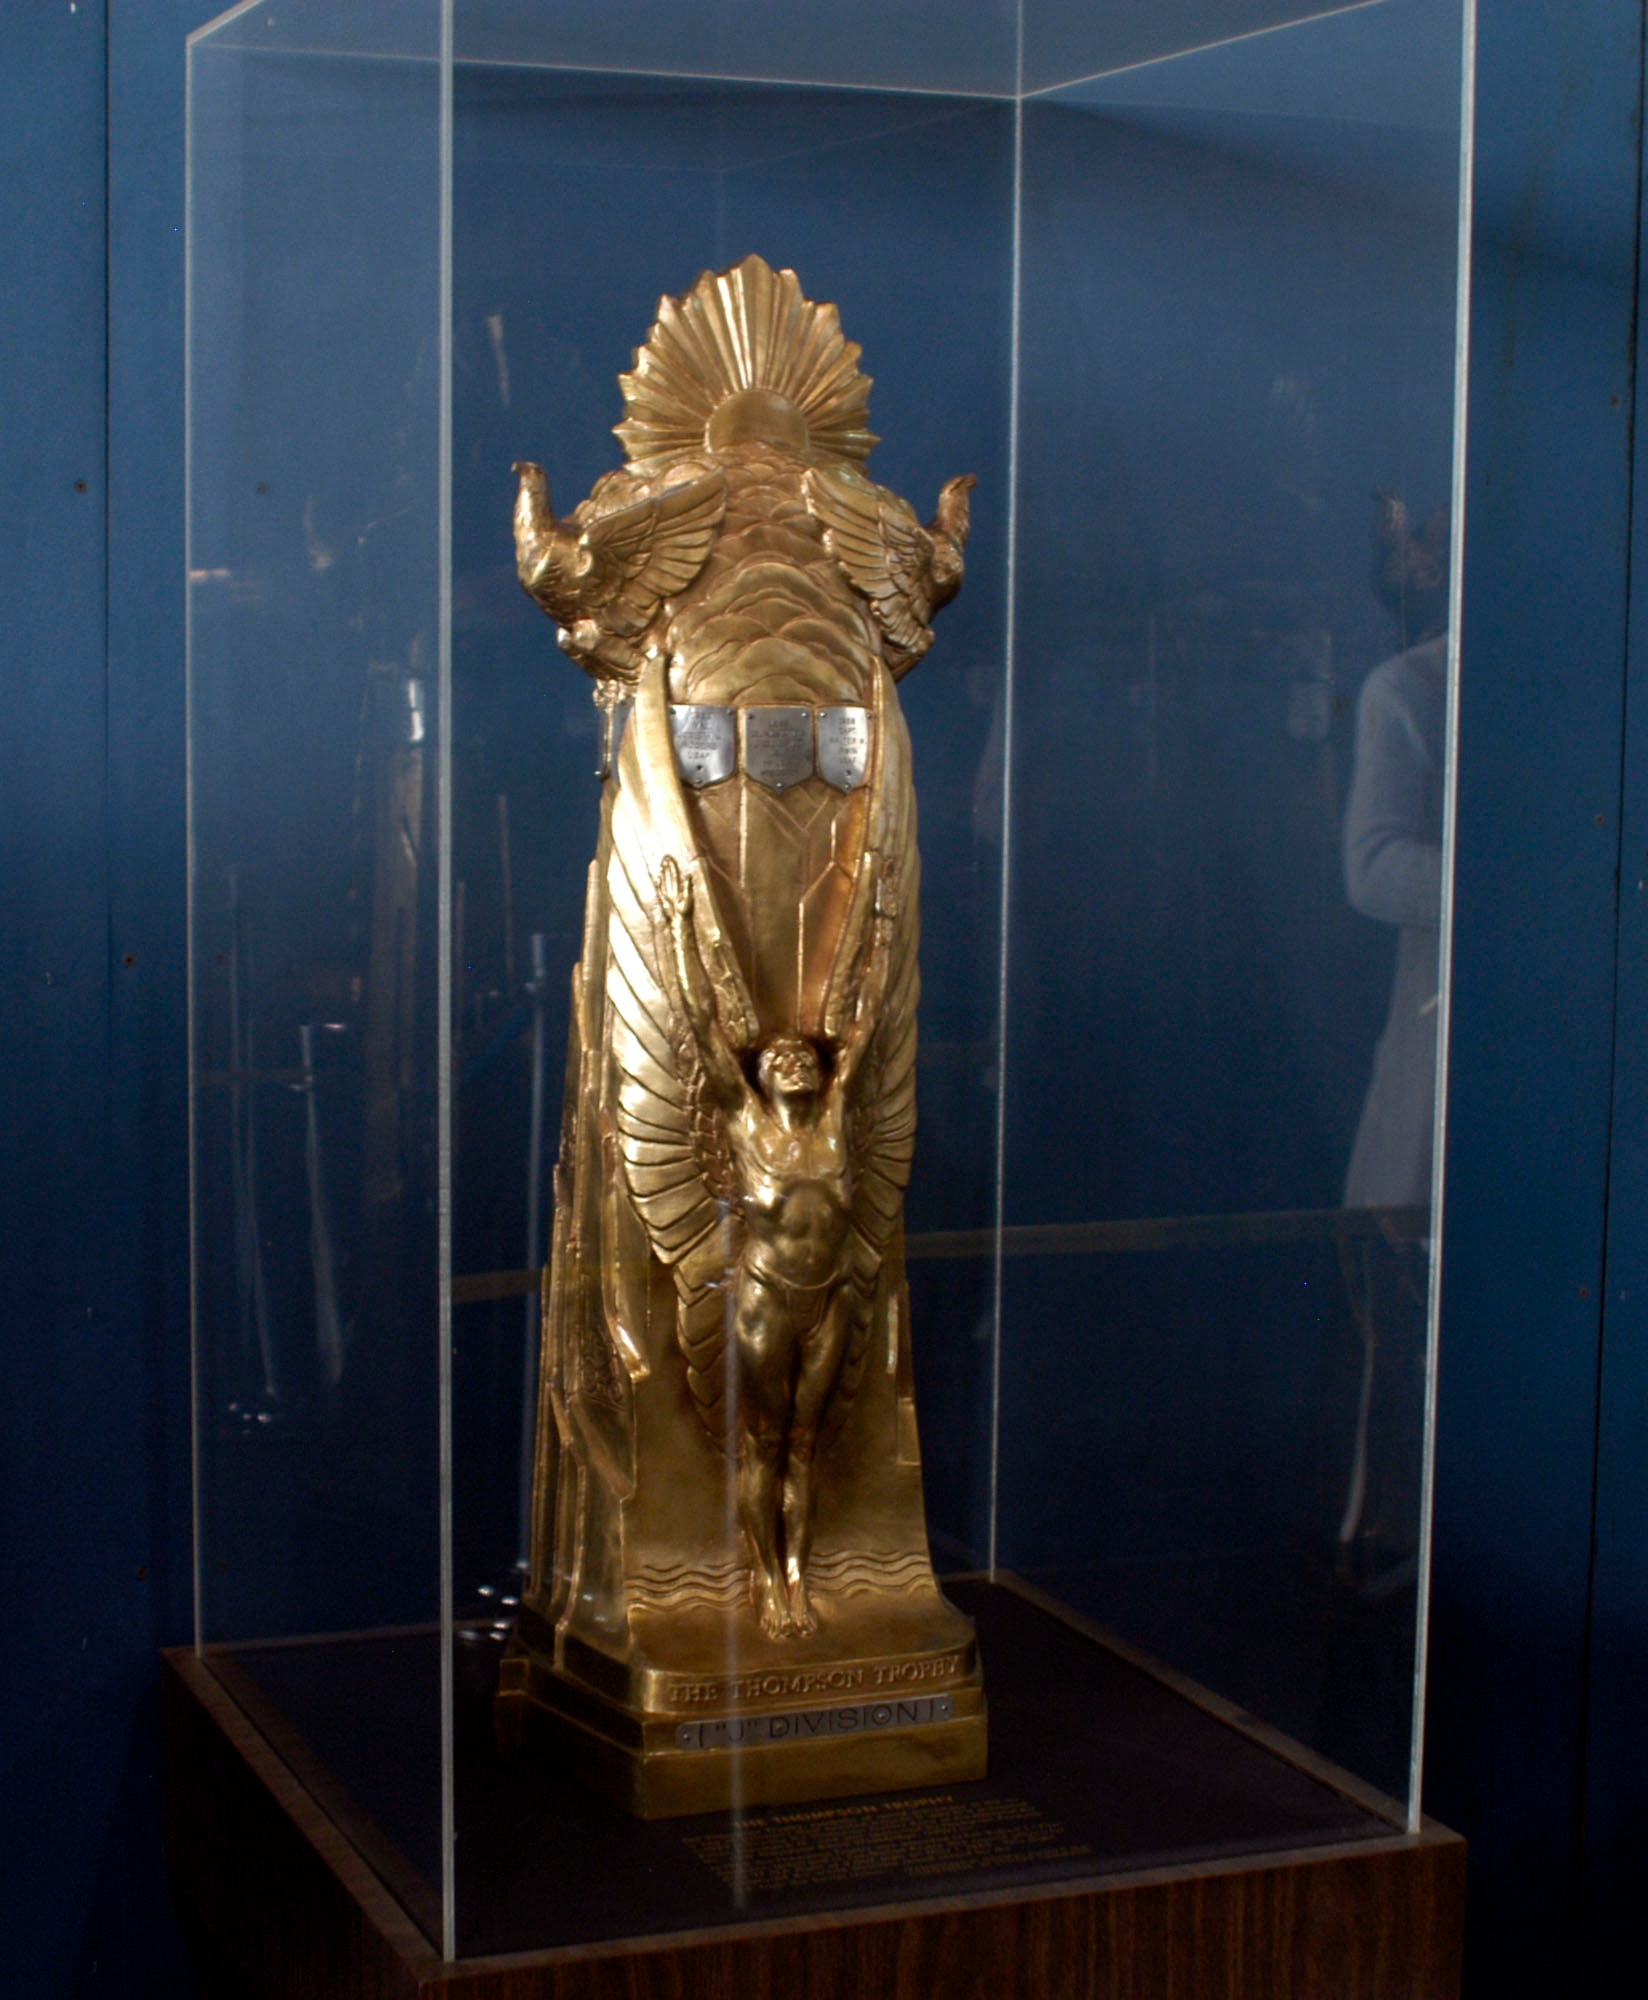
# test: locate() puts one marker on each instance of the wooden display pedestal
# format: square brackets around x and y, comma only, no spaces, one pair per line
[1183,1851]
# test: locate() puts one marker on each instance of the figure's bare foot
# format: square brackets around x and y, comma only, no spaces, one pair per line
[803,1618]
[772,1609]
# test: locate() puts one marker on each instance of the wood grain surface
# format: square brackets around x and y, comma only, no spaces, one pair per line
[284,1908]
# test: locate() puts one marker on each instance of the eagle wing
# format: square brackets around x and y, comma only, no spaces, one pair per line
[611,570]
[906,571]
[651,549]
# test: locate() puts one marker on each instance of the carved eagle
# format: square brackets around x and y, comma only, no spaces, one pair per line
[905,570]
[603,576]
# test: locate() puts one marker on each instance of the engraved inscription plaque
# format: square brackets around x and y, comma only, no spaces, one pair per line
[844,747]
[806,1722]
[778,746]
[614,721]
[706,746]
[885,1840]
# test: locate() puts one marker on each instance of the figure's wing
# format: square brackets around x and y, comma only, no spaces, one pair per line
[617,567]
[881,1111]
[671,1135]
[882,1122]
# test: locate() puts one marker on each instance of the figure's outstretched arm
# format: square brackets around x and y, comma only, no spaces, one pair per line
[872,989]
[693,993]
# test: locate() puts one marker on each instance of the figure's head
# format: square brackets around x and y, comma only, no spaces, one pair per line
[1410,568]
[788,1068]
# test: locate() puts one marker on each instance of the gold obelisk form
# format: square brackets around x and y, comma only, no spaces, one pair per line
[731,1598]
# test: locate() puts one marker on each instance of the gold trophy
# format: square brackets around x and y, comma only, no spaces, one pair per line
[731,1599]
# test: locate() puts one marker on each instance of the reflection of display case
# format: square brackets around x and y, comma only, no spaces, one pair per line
[1181,286]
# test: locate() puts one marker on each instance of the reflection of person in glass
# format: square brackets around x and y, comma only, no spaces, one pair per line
[1393,874]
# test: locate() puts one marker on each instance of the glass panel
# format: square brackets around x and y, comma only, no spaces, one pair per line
[314,726]
[404,28]
[1169,1244]
[1389,63]
[1238,330]
[921,45]
[1065,40]
[899,209]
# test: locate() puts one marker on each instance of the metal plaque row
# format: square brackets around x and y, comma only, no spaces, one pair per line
[782,746]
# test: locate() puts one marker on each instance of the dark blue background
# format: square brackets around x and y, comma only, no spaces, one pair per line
[1538,1749]
[1210,403]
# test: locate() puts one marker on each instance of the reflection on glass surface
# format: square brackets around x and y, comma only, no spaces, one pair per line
[888,45]
[1393,875]
[314,728]
[396,29]
[1065,44]
[1238,274]
[315,733]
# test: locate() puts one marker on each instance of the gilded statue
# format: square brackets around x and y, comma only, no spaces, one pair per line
[788,1139]
[731,1592]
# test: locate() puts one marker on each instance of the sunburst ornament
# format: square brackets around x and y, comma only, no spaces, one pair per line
[745,354]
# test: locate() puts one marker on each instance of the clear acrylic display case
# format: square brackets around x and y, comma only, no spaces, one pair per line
[1182,286]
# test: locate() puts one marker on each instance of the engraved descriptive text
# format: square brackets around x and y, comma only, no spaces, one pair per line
[805,1722]
[890,1840]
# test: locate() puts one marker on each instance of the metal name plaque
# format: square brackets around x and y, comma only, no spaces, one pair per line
[732,1731]
[706,742]
[844,747]
[614,721]
[778,746]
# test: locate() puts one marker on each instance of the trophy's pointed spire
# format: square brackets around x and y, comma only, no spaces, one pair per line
[745,354]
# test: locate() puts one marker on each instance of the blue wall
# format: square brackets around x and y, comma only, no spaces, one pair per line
[1539,1751]
[93,1357]
[1513,1734]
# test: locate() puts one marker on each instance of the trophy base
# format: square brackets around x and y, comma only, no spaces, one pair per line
[665,1766]
[663,1730]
